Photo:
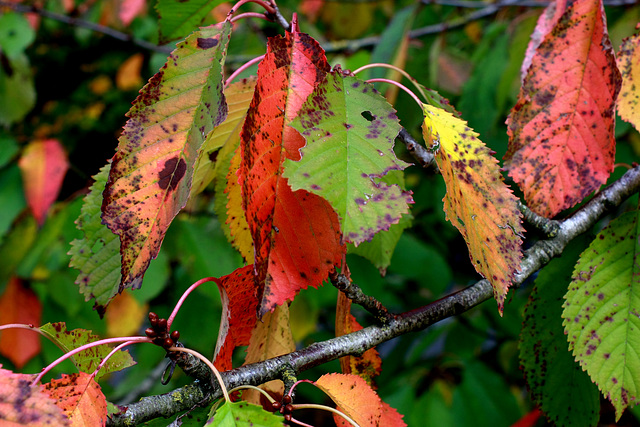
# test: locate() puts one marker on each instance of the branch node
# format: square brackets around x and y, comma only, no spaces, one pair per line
[549,227]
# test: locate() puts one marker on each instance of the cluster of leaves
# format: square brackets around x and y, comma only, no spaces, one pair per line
[301,163]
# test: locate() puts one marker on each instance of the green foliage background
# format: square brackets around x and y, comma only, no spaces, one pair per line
[462,371]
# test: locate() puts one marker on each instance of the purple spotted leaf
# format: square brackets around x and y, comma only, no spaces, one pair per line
[151,173]
[602,311]
[350,130]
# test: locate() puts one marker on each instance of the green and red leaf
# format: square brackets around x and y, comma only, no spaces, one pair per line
[561,130]
[478,203]
[151,173]
[296,235]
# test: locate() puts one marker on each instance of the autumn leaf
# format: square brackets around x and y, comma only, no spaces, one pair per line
[353,396]
[601,311]
[80,398]
[128,76]
[19,304]
[478,203]
[97,254]
[629,64]
[239,305]
[350,130]
[151,173]
[368,365]
[125,315]
[561,131]
[87,360]
[129,9]
[271,337]
[23,404]
[296,235]
[43,165]
[237,414]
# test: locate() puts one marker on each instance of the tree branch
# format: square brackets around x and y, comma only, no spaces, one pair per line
[358,342]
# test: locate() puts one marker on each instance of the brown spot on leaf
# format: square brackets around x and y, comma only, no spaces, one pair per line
[173,171]
[207,43]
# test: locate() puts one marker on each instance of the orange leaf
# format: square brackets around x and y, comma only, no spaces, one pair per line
[43,165]
[19,305]
[81,399]
[296,236]
[125,315]
[629,63]
[562,144]
[354,397]
[546,21]
[238,319]
[128,76]
[21,404]
[368,365]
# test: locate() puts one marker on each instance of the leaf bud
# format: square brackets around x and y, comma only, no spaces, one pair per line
[162,325]
[175,336]
[150,332]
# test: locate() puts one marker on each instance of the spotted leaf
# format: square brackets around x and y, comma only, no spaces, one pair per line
[353,396]
[561,130]
[350,129]
[478,203]
[296,235]
[629,64]
[602,311]
[151,173]
[80,398]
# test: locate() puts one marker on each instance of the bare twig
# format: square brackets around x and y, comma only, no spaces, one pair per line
[357,342]
[417,151]
[355,294]
[549,227]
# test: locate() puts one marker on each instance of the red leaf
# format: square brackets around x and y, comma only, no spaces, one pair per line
[21,404]
[43,165]
[19,305]
[562,143]
[296,236]
[239,305]
[81,399]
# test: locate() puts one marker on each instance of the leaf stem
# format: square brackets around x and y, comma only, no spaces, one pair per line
[85,347]
[325,408]
[262,3]
[108,356]
[225,393]
[401,86]
[242,68]
[250,15]
[252,387]
[393,67]
[184,297]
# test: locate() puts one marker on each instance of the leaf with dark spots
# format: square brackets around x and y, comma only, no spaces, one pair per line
[343,164]
[292,233]
[167,125]
[601,311]
[629,63]
[565,111]
[478,203]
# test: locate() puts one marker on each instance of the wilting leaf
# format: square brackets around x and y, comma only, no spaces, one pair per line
[22,404]
[80,398]
[89,359]
[353,396]
[562,144]
[557,383]
[478,203]
[97,255]
[240,414]
[150,177]
[238,318]
[602,311]
[296,235]
[350,129]
[19,304]
[271,337]
[178,17]
[43,165]
[629,64]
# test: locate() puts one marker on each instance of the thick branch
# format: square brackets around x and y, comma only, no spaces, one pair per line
[357,342]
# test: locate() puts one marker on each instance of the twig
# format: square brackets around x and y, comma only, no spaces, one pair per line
[355,294]
[357,342]
[549,227]
[417,151]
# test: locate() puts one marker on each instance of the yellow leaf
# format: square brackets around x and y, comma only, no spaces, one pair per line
[125,315]
[629,65]
[128,76]
[236,218]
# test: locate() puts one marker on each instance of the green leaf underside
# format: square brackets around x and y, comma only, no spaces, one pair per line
[562,390]
[178,17]
[87,360]
[478,202]
[350,129]
[97,255]
[151,173]
[236,414]
[602,311]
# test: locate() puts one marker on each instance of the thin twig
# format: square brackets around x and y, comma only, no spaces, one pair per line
[355,294]
[418,152]
[549,227]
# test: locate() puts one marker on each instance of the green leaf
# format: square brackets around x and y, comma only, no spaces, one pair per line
[97,255]
[562,390]
[17,90]
[241,414]
[350,129]
[15,34]
[602,311]
[11,198]
[391,39]
[180,17]
[89,359]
